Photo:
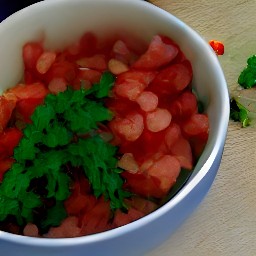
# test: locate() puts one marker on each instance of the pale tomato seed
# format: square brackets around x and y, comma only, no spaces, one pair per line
[158,120]
[117,67]
[148,101]
[45,61]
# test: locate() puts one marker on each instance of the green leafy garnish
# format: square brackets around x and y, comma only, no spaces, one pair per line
[239,113]
[247,78]
[63,133]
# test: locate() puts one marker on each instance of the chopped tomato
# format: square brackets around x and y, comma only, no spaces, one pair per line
[66,70]
[130,127]
[196,124]
[158,120]
[173,79]
[9,139]
[97,219]
[184,106]
[157,55]
[31,53]
[97,61]
[217,46]
[143,77]
[6,109]
[166,169]
[122,218]
[57,85]
[181,149]
[5,165]
[143,184]
[172,134]
[141,204]
[25,108]
[27,91]
[31,230]
[130,90]
[90,75]
[131,84]
[68,228]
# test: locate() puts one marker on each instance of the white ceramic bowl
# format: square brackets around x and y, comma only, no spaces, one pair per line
[62,22]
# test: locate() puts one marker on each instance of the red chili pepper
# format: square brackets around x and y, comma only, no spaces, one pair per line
[217,46]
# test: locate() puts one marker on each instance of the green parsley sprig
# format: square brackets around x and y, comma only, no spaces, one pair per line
[61,134]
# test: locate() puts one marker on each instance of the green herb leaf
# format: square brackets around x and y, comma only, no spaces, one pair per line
[54,141]
[239,113]
[247,78]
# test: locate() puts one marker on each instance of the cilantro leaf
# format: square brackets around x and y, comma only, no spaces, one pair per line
[106,83]
[239,113]
[55,215]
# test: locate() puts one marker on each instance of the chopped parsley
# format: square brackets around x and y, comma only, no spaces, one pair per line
[63,133]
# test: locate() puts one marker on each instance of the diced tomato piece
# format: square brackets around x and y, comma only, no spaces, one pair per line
[97,219]
[97,61]
[93,76]
[130,127]
[143,77]
[122,106]
[26,107]
[120,48]
[145,146]
[196,124]
[31,53]
[64,69]
[68,228]
[166,169]
[172,134]
[217,46]
[184,106]
[122,218]
[143,184]
[131,84]
[198,143]
[181,149]
[130,90]
[117,67]
[57,85]
[45,61]
[6,108]
[31,230]
[26,91]
[141,204]
[5,165]
[80,199]
[158,120]
[77,203]
[148,101]
[172,79]
[9,139]
[157,55]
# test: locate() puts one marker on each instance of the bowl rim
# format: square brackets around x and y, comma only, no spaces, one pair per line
[193,182]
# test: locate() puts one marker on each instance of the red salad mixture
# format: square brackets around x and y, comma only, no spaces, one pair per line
[96,135]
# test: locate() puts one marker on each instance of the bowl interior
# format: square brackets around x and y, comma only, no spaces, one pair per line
[62,22]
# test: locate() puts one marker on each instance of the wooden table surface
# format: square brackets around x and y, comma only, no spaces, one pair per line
[225,223]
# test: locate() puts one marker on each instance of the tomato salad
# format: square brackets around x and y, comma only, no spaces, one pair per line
[96,135]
